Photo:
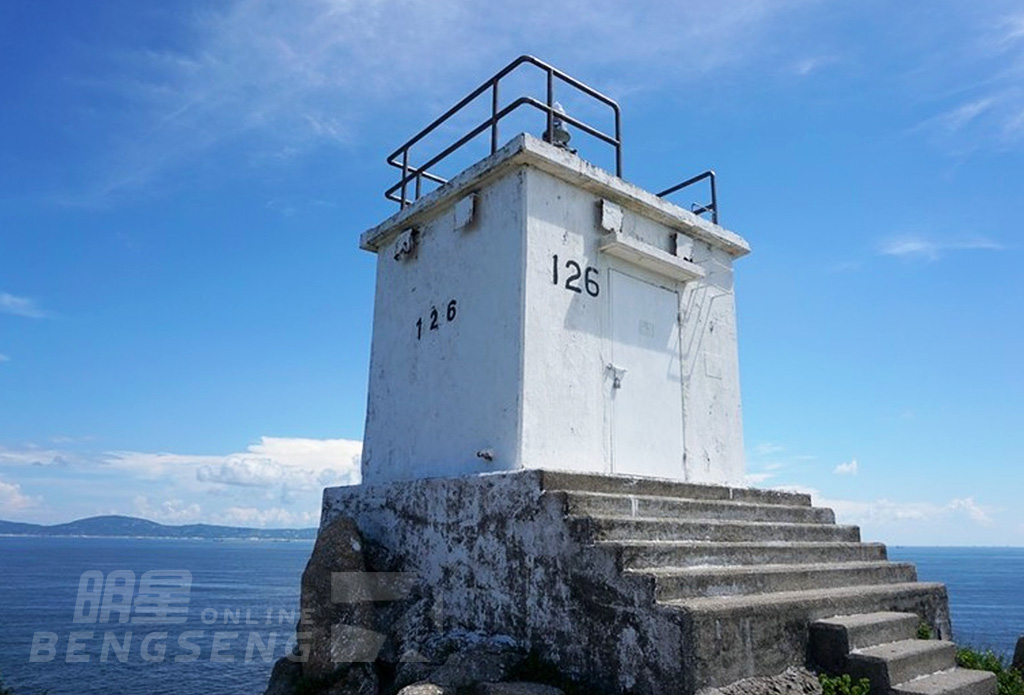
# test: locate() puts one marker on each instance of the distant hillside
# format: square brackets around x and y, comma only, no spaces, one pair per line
[127,526]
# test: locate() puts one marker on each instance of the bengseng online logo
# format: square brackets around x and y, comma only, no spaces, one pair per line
[145,616]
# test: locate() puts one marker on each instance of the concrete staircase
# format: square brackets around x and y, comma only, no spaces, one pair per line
[756,574]
[883,648]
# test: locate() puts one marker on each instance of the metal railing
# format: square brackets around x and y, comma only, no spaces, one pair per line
[414,175]
[697,208]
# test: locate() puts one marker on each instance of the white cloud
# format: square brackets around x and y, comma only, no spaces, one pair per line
[767,449]
[976,512]
[35,456]
[768,459]
[957,118]
[314,454]
[287,77]
[933,249]
[287,464]
[291,462]
[995,120]
[806,66]
[977,84]
[849,468]
[20,306]
[251,471]
[173,511]
[885,512]
[150,465]
[274,516]
[1013,30]
[12,499]
[4,358]
[285,473]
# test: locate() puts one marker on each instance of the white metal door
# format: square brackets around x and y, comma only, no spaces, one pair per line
[647,393]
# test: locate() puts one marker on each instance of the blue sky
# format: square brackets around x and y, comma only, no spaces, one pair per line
[185,314]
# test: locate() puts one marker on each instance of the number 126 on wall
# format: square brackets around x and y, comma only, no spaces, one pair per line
[572,276]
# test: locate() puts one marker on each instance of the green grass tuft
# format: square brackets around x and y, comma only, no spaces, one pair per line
[843,685]
[1011,681]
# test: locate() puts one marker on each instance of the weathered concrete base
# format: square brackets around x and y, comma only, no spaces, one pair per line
[499,558]
[613,598]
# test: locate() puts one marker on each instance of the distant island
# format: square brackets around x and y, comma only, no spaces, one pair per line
[132,527]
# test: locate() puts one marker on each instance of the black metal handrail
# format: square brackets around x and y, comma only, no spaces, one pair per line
[400,157]
[697,208]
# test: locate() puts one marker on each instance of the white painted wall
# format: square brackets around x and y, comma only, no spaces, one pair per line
[439,396]
[522,372]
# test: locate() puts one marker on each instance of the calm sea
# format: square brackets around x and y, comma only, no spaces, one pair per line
[986,591]
[242,598]
[240,607]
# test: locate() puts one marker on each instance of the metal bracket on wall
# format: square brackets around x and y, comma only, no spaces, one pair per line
[405,244]
[618,374]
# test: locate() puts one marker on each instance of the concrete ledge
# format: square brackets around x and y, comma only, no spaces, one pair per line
[655,260]
[525,149]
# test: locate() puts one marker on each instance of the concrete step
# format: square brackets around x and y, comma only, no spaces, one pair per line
[631,485]
[652,506]
[595,528]
[957,681]
[887,665]
[817,604]
[734,637]
[832,639]
[668,554]
[677,583]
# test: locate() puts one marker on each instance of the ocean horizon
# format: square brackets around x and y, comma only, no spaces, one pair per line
[985,586]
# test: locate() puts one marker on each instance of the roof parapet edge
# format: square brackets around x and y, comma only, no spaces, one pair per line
[524,149]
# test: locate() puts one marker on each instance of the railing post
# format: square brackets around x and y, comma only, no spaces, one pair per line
[405,174]
[618,143]
[494,118]
[714,200]
[550,132]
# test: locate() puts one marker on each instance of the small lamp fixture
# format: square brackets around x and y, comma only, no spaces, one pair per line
[559,135]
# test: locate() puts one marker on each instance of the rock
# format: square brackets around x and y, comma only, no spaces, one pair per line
[462,669]
[413,629]
[425,689]
[284,679]
[1018,655]
[792,681]
[356,679]
[518,688]
[410,672]
[330,634]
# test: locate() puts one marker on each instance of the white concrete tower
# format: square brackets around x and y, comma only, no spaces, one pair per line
[537,311]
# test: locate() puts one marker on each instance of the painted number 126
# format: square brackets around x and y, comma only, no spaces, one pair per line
[572,278]
[450,312]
